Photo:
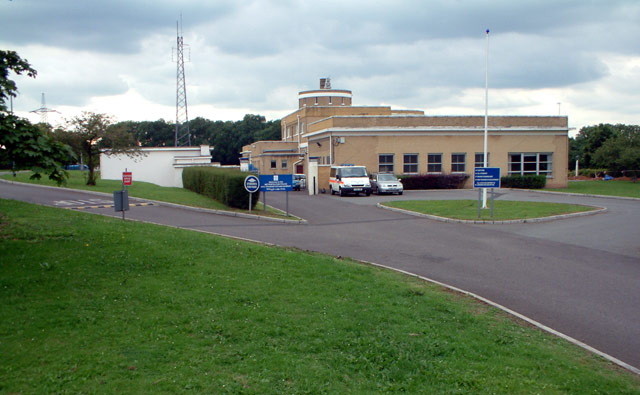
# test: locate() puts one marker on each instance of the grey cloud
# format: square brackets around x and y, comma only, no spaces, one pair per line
[100,26]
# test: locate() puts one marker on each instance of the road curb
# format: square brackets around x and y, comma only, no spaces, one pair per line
[575,194]
[535,323]
[597,210]
[160,203]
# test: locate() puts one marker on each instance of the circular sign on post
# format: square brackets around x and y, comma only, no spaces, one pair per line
[252,184]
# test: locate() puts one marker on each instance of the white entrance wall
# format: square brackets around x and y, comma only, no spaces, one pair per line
[161,166]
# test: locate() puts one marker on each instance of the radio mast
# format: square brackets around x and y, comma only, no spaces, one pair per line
[182,135]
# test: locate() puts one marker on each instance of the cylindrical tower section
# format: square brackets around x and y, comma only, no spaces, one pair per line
[325,96]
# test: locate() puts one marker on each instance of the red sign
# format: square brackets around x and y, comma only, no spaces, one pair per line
[127,177]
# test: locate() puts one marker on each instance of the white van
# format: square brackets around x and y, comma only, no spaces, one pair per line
[349,179]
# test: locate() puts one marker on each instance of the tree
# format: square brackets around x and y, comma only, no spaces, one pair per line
[90,133]
[588,140]
[620,152]
[10,61]
[26,147]
[227,137]
[23,145]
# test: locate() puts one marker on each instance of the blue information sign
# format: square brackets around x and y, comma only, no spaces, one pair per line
[276,182]
[251,184]
[486,177]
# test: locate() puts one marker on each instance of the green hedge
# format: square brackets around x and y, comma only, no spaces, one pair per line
[433,181]
[523,182]
[223,185]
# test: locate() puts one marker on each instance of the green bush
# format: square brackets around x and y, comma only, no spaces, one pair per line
[223,185]
[433,181]
[524,182]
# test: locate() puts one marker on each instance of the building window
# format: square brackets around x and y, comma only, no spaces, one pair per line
[284,164]
[410,164]
[480,159]
[458,162]
[274,164]
[385,163]
[531,164]
[316,103]
[434,163]
[330,100]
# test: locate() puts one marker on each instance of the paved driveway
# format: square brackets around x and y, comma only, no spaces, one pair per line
[579,276]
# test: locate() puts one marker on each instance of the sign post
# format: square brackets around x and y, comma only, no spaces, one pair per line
[276,183]
[251,185]
[121,198]
[486,177]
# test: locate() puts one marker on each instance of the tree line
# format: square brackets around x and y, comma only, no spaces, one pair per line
[227,137]
[615,148]
[44,150]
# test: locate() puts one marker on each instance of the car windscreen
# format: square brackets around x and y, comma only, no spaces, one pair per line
[354,172]
[386,177]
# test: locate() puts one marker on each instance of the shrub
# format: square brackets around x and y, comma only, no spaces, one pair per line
[524,182]
[434,181]
[223,185]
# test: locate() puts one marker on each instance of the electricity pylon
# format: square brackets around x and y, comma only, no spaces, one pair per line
[182,135]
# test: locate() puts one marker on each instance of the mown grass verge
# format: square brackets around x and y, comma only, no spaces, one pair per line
[144,190]
[503,210]
[95,304]
[600,187]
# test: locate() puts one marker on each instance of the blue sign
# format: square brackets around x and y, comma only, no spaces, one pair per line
[252,184]
[276,182]
[486,177]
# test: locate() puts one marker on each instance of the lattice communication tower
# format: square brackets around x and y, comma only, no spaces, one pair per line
[182,135]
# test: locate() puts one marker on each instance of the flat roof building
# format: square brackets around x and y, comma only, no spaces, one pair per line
[328,130]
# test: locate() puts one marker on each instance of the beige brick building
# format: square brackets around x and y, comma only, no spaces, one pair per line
[326,129]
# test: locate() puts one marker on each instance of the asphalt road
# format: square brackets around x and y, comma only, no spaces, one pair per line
[579,276]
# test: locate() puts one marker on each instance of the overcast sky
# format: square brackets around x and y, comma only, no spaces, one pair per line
[115,56]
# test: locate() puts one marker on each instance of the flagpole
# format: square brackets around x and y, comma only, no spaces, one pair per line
[486,117]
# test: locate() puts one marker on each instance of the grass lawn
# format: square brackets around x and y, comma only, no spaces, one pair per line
[600,187]
[95,304]
[502,209]
[144,190]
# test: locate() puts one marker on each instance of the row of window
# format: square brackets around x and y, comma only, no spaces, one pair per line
[519,163]
[283,164]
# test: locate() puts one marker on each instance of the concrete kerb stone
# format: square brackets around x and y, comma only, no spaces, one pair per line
[198,209]
[514,314]
[575,194]
[597,210]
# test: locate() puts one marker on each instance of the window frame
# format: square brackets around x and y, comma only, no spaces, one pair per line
[480,163]
[530,163]
[410,165]
[430,164]
[386,164]
[456,166]
[274,164]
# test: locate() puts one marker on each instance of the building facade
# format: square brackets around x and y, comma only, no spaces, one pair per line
[328,130]
[161,166]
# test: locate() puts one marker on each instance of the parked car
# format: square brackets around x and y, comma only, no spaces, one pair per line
[349,179]
[385,183]
[299,182]
[76,167]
